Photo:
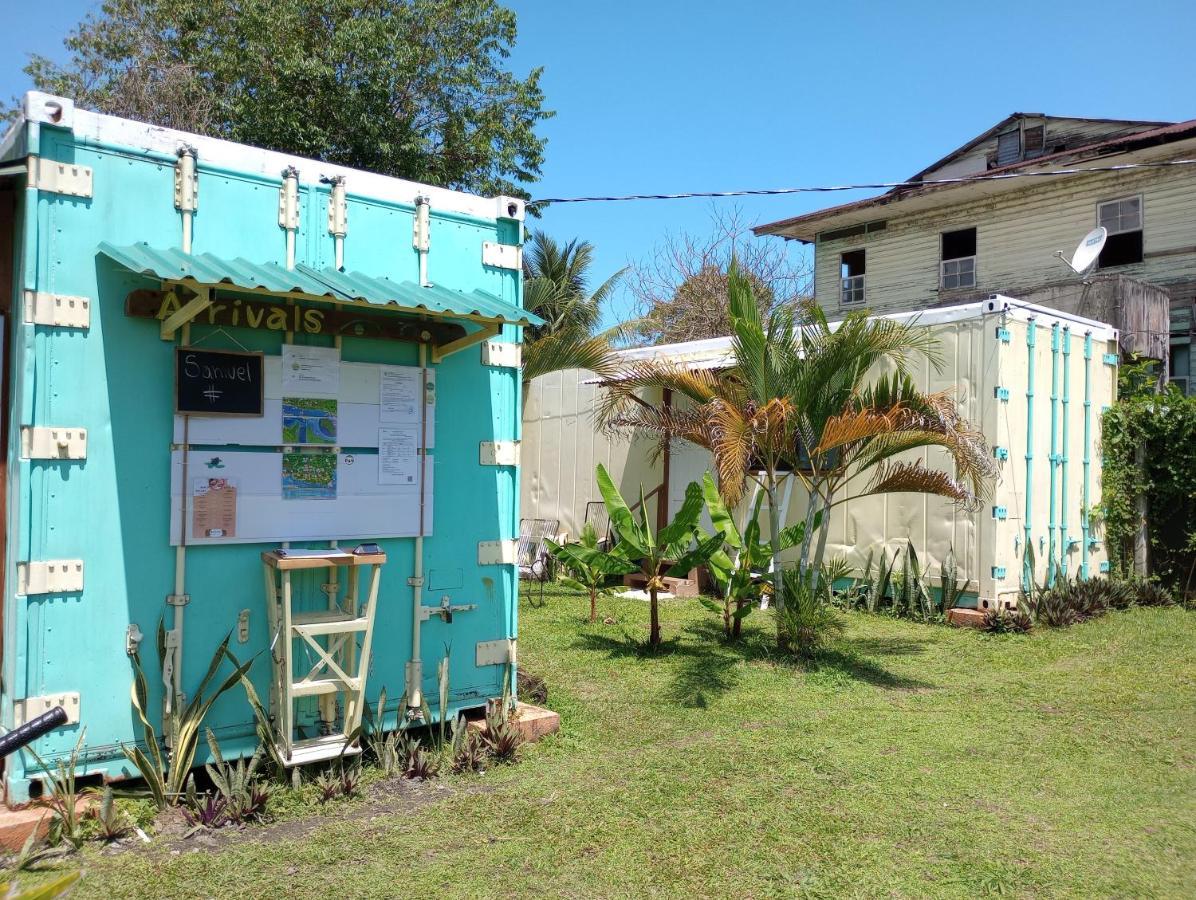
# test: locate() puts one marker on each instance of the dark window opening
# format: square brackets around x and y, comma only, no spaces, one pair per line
[1121,250]
[852,231]
[853,263]
[851,267]
[958,244]
[1123,221]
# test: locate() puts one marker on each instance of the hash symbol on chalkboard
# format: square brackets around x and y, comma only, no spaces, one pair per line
[212,394]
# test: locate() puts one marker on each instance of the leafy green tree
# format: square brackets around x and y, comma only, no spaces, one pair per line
[417,89]
[556,288]
[589,569]
[673,546]
[739,566]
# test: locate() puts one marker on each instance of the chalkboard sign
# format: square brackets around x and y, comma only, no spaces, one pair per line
[217,382]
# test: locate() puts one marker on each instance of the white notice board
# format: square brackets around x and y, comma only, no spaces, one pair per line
[368,397]
[367,504]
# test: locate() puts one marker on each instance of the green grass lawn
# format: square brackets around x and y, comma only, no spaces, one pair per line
[910,760]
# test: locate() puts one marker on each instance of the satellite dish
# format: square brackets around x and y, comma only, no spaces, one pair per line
[1087,252]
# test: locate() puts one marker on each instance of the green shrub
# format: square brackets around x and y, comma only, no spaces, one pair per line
[806,619]
[1006,621]
[1148,593]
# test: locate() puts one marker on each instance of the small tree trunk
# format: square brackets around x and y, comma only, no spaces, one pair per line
[593,606]
[808,535]
[654,612]
[1142,531]
[824,529]
[737,623]
[774,537]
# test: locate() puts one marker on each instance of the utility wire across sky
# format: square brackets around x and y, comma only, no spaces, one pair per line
[765,192]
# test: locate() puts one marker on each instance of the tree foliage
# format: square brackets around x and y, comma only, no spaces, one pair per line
[1164,427]
[557,288]
[681,290]
[417,89]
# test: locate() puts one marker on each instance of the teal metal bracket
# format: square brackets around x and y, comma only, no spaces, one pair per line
[1004,335]
[1000,513]
[998,571]
[1001,393]
[1001,453]
[1110,359]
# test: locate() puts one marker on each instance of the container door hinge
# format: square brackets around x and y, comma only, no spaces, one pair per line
[998,571]
[1000,513]
[496,653]
[502,354]
[243,627]
[50,576]
[1003,335]
[52,442]
[499,453]
[59,178]
[186,180]
[502,256]
[133,639]
[32,707]
[62,310]
[498,553]
[1001,393]
[1001,453]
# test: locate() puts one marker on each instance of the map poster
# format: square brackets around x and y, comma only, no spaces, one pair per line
[309,476]
[213,508]
[308,420]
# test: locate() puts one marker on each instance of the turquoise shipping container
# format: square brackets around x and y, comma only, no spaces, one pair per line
[254,397]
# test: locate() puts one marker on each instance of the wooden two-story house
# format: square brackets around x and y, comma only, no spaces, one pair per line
[990,216]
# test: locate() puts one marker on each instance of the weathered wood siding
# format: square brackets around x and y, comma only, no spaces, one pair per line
[1016,236]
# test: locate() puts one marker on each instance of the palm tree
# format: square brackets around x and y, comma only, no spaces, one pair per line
[556,288]
[795,403]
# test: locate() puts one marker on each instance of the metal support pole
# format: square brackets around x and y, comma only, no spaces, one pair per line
[1085,532]
[1052,565]
[1064,539]
[1027,571]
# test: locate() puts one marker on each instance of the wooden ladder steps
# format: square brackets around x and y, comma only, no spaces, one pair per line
[328,746]
[327,622]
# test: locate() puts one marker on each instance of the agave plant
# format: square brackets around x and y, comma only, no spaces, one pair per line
[166,774]
[468,752]
[245,795]
[65,820]
[911,592]
[950,590]
[111,822]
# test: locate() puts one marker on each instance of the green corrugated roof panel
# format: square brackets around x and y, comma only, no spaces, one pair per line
[206,269]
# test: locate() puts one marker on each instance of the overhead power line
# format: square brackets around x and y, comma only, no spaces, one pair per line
[823,189]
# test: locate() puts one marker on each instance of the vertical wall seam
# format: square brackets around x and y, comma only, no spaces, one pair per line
[1027,571]
[1084,524]
[1053,461]
[1064,538]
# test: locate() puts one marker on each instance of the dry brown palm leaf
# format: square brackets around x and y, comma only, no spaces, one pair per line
[904,477]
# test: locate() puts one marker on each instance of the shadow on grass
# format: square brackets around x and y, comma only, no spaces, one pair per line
[707,664]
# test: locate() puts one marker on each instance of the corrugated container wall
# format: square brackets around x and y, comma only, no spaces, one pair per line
[111,507]
[1033,380]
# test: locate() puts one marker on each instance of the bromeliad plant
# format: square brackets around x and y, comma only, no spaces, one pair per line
[166,773]
[588,569]
[672,547]
[740,566]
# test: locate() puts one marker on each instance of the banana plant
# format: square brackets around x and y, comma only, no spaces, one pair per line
[739,566]
[651,551]
[587,572]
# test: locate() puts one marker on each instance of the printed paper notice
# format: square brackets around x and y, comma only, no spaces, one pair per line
[398,394]
[311,371]
[213,508]
[308,476]
[398,461]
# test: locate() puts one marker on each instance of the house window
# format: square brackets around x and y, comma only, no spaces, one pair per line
[1180,367]
[852,272]
[958,266]
[1009,147]
[1123,220]
[1033,140]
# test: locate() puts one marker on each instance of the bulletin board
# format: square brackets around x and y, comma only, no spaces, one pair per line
[336,454]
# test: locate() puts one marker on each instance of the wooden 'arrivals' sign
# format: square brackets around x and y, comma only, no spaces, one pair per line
[240,312]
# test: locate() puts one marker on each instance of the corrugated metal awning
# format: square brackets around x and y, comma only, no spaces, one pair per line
[206,270]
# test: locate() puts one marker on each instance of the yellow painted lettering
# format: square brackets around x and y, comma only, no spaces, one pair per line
[170,305]
[254,316]
[277,320]
[313,321]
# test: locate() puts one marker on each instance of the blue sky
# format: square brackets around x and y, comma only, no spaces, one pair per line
[692,96]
